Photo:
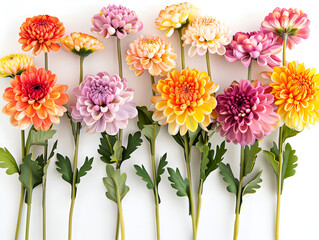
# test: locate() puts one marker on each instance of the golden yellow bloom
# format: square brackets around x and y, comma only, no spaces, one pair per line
[175,16]
[184,100]
[81,44]
[296,91]
[14,64]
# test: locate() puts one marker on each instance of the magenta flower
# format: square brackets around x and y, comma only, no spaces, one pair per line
[292,22]
[246,112]
[116,21]
[255,45]
[103,103]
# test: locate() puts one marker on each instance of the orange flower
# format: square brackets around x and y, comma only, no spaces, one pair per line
[34,98]
[296,91]
[41,33]
[184,99]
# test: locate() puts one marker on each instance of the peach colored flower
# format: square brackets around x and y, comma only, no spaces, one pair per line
[151,53]
[183,100]
[206,33]
[81,44]
[41,33]
[14,64]
[35,99]
[175,16]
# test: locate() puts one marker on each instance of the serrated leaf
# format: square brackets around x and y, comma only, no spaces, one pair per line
[288,132]
[250,155]
[272,160]
[87,166]
[38,137]
[161,168]
[115,184]
[252,185]
[275,151]
[141,171]
[8,161]
[229,178]
[117,153]
[64,167]
[133,142]
[151,131]
[204,149]
[178,183]
[144,117]
[106,147]
[289,164]
[215,159]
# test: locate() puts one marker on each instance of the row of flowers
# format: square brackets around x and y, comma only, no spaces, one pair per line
[185,100]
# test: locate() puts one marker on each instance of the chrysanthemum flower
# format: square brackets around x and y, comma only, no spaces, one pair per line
[254,46]
[206,33]
[81,44]
[151,53]
[184,100]
[41,33]
[292,22]
[246,112]
[14,64]
[34,98]
[296,91]
[103,103]
[116,21]
[175,16]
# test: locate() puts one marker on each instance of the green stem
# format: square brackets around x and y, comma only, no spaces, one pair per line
[284,48]
[16,236]
[120,212]
[119,57]
[182,48]
[208,65]
[236,226]
[81,69]
[117,233]
[27,227]
[153,82]
[249,71]
[199,204]
[279,189]
[189,177]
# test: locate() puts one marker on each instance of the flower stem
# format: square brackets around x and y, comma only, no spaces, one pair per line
[284,48]
[199,204]
[119,205]
[279,189]
[189,177]
[182,48]
[27,227]
[153,82]
[236,226]
[208,65]
[117,233]
[81,69]
[249,71]
[119,57]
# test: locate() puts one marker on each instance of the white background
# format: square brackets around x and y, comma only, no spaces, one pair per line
[94,214]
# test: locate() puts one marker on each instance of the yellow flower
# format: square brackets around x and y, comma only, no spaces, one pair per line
[184,100]
[296,91]
[14,64]
[175,16]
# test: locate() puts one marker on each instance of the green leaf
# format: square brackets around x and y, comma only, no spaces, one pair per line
[229,178]
[151,131]
[141,171]
[38,137]
[64,167]
[45,167]
[87,166]
[250,155]
[144,117]
[288,132]
[161,168]
[31,174]
[118,153]
[272,160]
[252,185]
[106,147]
[215,160]
[180,184]
[73,125]
[179,139]
[193,137]
[133,142]
[204,149]
[8,161]
[115,184]
[289,164]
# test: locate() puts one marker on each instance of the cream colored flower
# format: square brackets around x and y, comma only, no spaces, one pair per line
[14,64]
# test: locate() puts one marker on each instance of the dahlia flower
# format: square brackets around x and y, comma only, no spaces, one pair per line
[175,16]
[81,44]
[292,22]
[184,100]
[103,103]
[246,112]
[151,53]
[116,21]
[254,45]
[296,92]
[41,33]
[14,64]
[34,98]
[206,33]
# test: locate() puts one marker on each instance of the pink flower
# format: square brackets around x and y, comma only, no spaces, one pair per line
[246,112]
[116,21]
[103,103]
[255,45]
[292,22]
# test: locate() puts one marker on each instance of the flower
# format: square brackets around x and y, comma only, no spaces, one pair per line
[183,100]
[34,98]
[151,53]
[246,112]
[41,33]
[254,45]
[296,92]
[14,64]
[206,33]
[116,21]
[81,44]
[103,103]
[292,22]
[175,16]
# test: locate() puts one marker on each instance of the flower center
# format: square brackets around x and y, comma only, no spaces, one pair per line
[186,93]
[37,91]
[101,95]
[239,105]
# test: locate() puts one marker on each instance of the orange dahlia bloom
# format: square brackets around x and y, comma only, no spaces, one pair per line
[41,33]
[296,91]
[184,100]
[34,98]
